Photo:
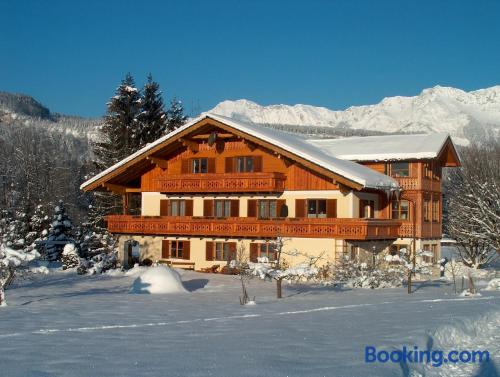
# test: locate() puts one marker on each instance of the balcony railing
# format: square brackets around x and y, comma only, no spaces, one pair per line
[426,184]
[234,182]
[354,229]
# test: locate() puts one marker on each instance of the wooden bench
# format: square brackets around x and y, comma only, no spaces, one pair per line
[184,265]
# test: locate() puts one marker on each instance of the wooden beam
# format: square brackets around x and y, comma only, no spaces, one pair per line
[250,145]
[115,189]
[193,146]
[163,164]
[219,136]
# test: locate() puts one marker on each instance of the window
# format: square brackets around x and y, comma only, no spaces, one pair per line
[316,208]
[199,165]
[222,208]
[366,209]
[430,249]
[428,170]
[177,208]
[267,209]
[176,248]
[396,249]
[427,210]
[268,250]
[221,251]
[244,164]
[435,210]
[401,210]
[400,169]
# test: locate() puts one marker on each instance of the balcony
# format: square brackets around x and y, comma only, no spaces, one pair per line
[426,184]
[234,182]
[352,229]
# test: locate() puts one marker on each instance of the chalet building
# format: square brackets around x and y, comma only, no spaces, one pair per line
[217,183]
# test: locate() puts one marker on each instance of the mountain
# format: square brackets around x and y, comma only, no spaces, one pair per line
[464,115]
[23,110]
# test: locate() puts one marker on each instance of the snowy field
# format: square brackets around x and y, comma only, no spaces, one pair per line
[63,324]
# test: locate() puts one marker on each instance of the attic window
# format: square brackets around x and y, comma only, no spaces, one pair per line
[400,169]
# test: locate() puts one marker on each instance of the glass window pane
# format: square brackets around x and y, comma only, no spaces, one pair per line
[218,251]
[179,249]
[263,209]
[400,169]
[196,166]
[182,208]
[204,165]
[249,164]
[173,208]
[404,210]
[227,208]
[312,208]
[321,208]
[240,164]
[272,208]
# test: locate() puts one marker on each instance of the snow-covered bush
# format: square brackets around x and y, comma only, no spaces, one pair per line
[97,264]
[70,257]
[158,280]
[493,285]
[10,261]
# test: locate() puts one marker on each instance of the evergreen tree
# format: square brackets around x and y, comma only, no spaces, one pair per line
[175,115]
[152,118]
[70,257]
[60,230]
[119,137]
[39,224]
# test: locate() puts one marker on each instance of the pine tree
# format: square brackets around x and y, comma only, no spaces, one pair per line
[60,230]
[152,118]
[70,257]
[175,115]
[119,137]
[38,224]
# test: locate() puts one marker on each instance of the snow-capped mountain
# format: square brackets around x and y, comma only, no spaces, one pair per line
[464,115]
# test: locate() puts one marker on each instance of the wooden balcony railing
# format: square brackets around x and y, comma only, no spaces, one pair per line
[426,184]
[234,182]
[355,229]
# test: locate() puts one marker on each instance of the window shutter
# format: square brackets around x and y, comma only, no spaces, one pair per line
[209,250]
[331,208]
[252,208]
[185,165]
[300,208]
[164,207]
[371,203]
[186,250]
[257,164]
[281,208]
[229,164]
[210,165]
[165,249]
[254,252]
[232,251]
[235,208]
[208,207]
[362,205]
[189,208]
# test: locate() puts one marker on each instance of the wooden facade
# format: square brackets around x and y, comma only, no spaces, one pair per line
[232,164]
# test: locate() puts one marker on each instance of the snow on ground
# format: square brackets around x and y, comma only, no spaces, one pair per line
[69,325]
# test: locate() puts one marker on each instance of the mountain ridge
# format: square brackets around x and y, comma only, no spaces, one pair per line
[464,115]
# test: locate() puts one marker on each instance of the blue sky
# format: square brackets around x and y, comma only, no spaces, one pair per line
[71,55]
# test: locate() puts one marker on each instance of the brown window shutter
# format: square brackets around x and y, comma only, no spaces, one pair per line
[208,207]
[185,165]
[232,251]
[300,208]
[257,164]
[209,250]
[165,249]
[235,208]
[372,209]
[186,250]
[254,252]
[189,208]
[280,210]
[252,208]
[229,164]
[362,205]
[331,208]
[164,207]
[211,165]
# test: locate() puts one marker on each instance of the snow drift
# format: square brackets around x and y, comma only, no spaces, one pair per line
[158,280]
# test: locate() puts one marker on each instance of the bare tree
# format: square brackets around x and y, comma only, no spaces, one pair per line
[473,204]
[245,274]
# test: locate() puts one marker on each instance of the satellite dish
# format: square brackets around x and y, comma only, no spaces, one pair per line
[212,138]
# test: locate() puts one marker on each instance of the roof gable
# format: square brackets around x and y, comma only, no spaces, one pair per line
[348,173]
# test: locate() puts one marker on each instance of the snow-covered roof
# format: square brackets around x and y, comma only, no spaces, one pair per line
[383,148]
[352,171]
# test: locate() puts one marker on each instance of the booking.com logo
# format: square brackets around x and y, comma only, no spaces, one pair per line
[434,357]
